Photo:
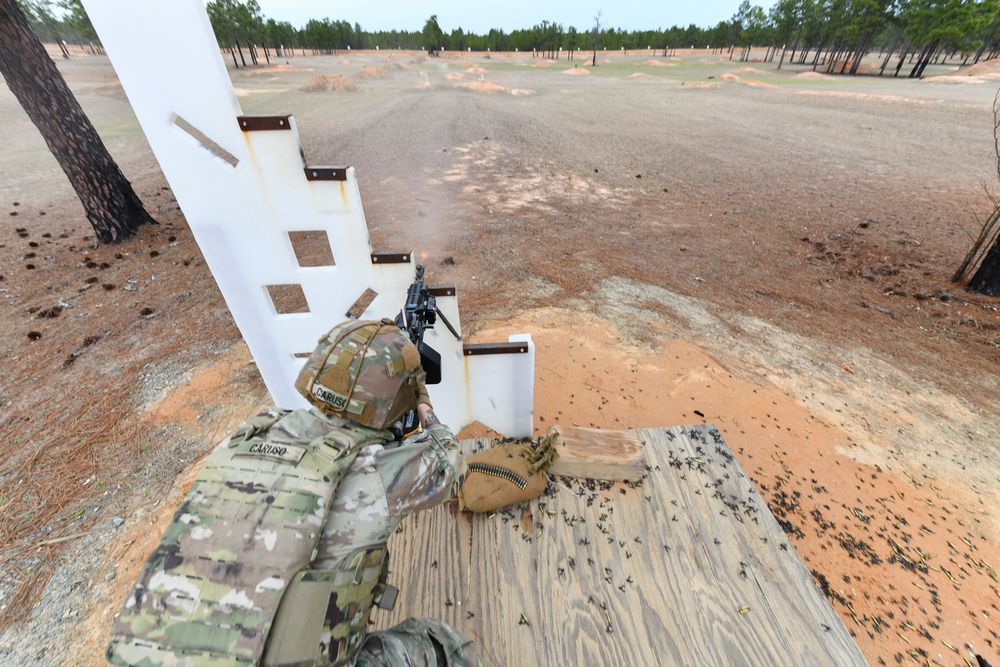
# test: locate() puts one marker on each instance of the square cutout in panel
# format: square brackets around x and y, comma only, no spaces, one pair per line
[287,299]
[312,248]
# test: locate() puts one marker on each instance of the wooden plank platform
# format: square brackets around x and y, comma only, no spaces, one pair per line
[689,567]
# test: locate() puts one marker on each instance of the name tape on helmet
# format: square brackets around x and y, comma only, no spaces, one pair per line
[336,400]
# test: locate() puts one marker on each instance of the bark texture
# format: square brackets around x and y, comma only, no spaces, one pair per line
[111,205]
[987,279]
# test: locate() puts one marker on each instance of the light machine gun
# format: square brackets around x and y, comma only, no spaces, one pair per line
[419,313]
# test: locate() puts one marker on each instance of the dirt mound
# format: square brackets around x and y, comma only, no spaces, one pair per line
[658,63]
[640,75]
[393,64]
[577,71]
[811,75]
[729,76]
[476,70]
[486,87]
[454,76]
[990,68]
[373,72]
[328,83]
[699,85]
[483,86]
[959,78]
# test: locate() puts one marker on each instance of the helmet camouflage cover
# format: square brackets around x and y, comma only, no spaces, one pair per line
[365,371]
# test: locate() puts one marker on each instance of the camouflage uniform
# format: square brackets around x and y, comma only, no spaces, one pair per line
[278,551]
[384,485]
[387,482]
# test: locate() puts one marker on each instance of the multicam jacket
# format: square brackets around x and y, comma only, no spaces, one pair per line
[255,569]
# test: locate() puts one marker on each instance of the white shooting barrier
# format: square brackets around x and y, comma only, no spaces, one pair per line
[247,194]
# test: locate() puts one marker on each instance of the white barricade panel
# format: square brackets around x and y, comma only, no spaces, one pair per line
[287,242]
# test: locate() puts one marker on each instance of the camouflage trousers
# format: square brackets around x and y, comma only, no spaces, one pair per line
[415,642]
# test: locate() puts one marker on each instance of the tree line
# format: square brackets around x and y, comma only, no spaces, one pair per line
[831,35]
[837,34]
[63,22]
[834,35]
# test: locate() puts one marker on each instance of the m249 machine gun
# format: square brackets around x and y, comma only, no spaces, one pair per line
[419,314]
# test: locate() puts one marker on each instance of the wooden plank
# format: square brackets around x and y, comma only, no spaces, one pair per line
[598,453]
[687,567]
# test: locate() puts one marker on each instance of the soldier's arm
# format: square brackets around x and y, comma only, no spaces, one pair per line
[428,470]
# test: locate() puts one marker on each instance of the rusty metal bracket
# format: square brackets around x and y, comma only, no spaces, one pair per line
[442,290]
[471,349]
[391,257]
[326,173]
[264,123]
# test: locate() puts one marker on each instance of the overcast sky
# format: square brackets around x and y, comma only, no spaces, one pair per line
[479,16]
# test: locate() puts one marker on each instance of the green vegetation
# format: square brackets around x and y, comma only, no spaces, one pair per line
[833,36]
[59,22]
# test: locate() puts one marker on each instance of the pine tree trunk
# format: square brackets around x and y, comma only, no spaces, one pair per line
[902,59]
[888,55]
[795,46]
[986,280]
[240,50]
[111,205]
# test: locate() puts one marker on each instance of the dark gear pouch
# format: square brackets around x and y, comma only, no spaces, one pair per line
[331,605]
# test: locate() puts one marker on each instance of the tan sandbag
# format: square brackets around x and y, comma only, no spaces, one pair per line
[505,475]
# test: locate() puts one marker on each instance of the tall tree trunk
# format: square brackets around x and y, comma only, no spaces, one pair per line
[986,237]
[819,50]
[833,54]
[859,54]
[902,59]
[888,55]
[111,205]
[987,279]
[795,46]
[918,69]
[240,49]
[847,56]
[55,31]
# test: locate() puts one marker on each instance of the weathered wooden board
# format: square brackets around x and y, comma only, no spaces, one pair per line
[597,453]
[687,568]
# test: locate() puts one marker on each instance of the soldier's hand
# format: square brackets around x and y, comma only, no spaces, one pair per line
[426,415]
[422,396]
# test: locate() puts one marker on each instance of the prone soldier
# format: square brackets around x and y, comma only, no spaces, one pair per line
[278,552]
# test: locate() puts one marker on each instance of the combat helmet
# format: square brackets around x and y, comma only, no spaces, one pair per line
[365,371]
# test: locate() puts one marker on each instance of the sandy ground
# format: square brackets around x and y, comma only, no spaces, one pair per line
[709,241]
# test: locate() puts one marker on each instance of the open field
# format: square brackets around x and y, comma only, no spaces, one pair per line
[687,239]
